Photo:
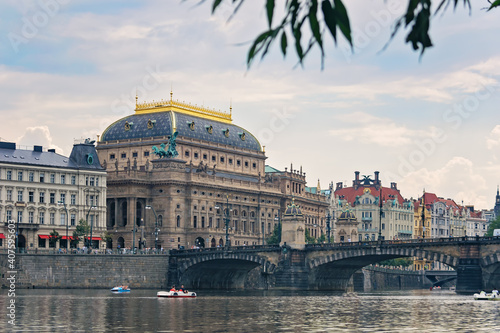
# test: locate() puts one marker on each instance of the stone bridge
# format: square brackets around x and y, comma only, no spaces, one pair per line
[330,266]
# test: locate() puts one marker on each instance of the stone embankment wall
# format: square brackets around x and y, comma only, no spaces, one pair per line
[373,279]
[87,271]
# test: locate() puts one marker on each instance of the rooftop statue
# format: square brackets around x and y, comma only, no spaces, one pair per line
[366,180]
[171,151]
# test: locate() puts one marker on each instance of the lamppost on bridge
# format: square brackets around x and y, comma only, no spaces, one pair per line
[422,217]
[226,219]
[156,225]
[381,214]
[328,227]
[64,204]
[92,207]
[278,218]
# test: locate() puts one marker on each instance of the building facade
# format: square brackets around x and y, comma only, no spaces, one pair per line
[212,191]
[476,221]
[380,211]
[42,191]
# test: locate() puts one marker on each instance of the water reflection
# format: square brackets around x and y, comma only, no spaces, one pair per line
[142,311]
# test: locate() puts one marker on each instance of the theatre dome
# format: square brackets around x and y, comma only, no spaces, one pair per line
[163,118]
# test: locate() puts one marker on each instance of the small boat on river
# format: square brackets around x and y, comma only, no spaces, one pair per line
[181,294]
[120,289]
[483,296]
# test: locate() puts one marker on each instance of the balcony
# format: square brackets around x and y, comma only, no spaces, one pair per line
[366,219]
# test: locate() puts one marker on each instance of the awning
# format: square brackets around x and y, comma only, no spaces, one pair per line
[44,236]
[69,237]
[2,236]
[96,238]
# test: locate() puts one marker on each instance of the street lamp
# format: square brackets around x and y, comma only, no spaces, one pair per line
[64,204]
[279,226]
[156,225]
[92,207]
[328,227]
[380,215]
[226,220]
[423,217]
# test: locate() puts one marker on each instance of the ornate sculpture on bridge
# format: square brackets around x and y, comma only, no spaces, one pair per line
[171,151]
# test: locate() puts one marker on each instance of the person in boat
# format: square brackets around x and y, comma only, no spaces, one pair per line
[173,289]
[182,290]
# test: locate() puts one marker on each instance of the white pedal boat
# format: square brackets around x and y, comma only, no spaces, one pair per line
[482,296]
[176,294]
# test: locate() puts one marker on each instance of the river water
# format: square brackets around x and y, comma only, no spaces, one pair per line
[243,311]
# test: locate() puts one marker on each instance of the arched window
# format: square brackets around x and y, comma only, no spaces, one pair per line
[178,221]
[160,220]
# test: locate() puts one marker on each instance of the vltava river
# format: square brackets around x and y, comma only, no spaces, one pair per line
[263,311]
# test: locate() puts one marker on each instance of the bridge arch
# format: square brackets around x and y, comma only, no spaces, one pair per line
[222,270]
[334,270]
[491,271]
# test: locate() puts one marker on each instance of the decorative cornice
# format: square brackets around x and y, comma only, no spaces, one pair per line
[182,107]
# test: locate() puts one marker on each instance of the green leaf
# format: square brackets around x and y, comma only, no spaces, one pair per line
[284,43]
[343,20]
[314,24]
[329,17]
[297,33]
[257,45]
[494,4]
[215,5]
[270,11]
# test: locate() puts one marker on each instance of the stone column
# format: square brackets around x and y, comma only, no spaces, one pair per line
[293,228]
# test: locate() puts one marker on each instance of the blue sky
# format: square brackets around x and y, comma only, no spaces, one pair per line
[429,122]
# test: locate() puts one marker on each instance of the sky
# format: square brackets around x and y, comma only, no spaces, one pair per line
[69,68]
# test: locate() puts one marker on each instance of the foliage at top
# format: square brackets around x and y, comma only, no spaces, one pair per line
[275,238]
[405,262]
[493,225]
[330,17]
[54,236]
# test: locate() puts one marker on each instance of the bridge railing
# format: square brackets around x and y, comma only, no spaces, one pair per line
[247,248]
[409,242]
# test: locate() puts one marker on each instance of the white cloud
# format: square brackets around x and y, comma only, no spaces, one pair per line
[458,179]
[366,128]
[38,136]
[490,66]
[493,139]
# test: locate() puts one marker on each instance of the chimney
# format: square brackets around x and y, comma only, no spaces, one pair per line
[394,186]
[339,186]
[51,150]
[376,181]
[37,148]
[355,182]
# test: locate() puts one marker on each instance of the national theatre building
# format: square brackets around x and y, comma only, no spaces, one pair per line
[181,173]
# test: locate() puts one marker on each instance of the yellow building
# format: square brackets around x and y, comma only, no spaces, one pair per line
[422,226]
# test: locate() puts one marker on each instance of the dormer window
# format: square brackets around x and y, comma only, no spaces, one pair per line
[151,123]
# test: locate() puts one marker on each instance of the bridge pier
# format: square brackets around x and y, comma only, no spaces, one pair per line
[469,276]
[469,271]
